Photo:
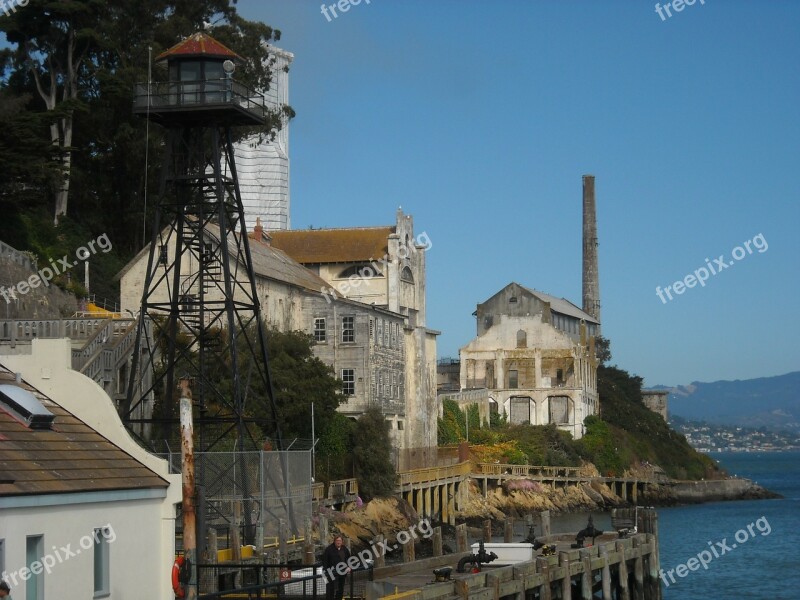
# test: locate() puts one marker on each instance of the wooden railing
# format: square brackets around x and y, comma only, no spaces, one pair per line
[317,492]
[342,488]
[434,473]
[526,470]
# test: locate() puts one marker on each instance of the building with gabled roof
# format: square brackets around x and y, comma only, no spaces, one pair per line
[84,507]
[535,353]
[383,267]
[366,318]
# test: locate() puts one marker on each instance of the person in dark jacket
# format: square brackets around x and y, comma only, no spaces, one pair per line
[333,556]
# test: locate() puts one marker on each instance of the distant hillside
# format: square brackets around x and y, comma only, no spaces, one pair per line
[773,402]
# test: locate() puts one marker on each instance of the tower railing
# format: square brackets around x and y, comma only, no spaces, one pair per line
[205,93]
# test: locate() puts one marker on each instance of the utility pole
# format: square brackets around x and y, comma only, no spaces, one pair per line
[187,480]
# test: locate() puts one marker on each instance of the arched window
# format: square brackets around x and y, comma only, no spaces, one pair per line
[364,271]
[407,275]
[522,339]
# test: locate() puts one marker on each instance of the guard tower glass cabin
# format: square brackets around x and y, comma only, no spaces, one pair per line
[200,88]
[200,313]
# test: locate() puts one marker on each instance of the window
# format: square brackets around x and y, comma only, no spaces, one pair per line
[522,339]
[559,409]
[386,334]
[348,329]
[34,550]
[207,255]
[102,579]
[400,426]
[513,379]
[407,275]
[380,332]
[349,382]
[512,300]
[394,335]
[162,254]
[319,330]
[520,407]
[366,271]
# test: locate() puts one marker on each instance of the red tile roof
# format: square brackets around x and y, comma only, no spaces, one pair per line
[199,44]
[318,246]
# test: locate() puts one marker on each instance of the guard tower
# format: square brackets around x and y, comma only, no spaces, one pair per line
[200,314]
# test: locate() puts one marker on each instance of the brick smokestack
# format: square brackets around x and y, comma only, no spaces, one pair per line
[591,275]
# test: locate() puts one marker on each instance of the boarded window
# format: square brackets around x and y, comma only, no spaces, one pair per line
[559,409]
[520,409]
[522,339]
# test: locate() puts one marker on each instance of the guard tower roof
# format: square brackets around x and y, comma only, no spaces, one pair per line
[199,45]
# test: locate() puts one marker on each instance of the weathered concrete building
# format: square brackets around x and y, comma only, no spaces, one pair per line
[382,267]
[656,400]
[373,349]
[535,354]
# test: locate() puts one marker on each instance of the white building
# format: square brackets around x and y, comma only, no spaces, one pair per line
[86,512]
[535,354]
[263,165]
[381,267]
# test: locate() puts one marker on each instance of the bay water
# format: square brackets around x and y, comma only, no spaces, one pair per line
[763,563]
[757,541]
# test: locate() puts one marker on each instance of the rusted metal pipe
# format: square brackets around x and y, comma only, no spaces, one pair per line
[187,479]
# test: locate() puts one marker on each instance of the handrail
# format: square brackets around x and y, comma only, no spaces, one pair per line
[207,92]
[434,473]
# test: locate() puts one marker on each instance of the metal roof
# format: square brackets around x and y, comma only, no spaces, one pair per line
[347,245]
[199,44]
[69,457]
[273,263]
[561,305]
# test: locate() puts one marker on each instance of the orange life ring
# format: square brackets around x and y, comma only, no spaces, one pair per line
[177,587]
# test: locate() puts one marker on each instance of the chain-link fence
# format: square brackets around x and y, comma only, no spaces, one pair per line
[262,495]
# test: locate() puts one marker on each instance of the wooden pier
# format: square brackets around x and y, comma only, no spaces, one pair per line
[439,491]
[612,569]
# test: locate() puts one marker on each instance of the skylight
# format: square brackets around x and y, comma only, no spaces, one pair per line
[26,406]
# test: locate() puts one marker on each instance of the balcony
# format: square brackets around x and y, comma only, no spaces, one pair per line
[218,101]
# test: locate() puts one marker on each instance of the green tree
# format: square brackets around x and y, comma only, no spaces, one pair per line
[334,456]
[452,427]
[602,347]
[372,452]
[72,64]
[300,379]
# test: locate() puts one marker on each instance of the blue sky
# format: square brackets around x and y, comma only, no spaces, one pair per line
[479,119]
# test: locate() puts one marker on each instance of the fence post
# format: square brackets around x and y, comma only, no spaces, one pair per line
[461,538]
[437,541]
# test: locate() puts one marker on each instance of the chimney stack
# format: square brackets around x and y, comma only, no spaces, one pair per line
[591,275]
